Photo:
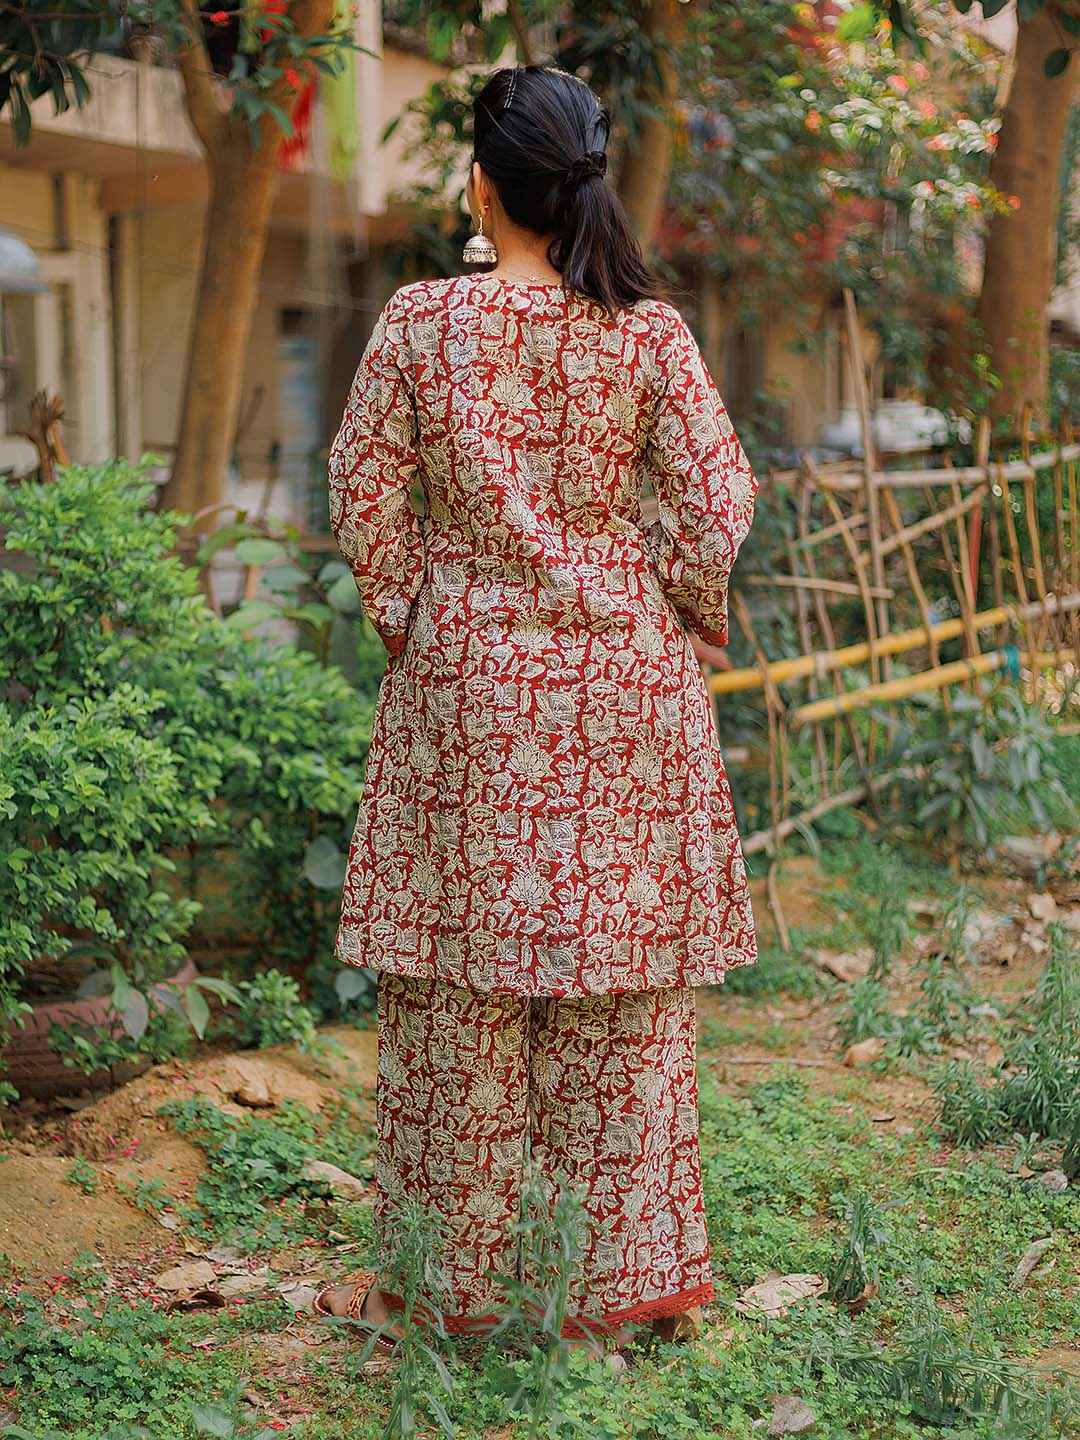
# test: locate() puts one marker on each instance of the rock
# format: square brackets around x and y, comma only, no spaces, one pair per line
[1043,907]
[343,1186]
[246,1084]
[1054,1180]
[791,1416]
[195,1275]
[847,968]
[1028,852]
[864,1052]
[773,1295]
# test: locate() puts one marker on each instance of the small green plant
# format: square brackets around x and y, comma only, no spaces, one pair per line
[854,1274]
[272,1012]
[226,1424]
[83,1175]
[252,1162]
[889,932]
[1057,994]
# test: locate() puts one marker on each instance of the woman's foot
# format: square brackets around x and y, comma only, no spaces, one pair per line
[343,1300]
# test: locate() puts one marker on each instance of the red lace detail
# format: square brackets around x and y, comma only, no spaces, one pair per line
[579,1329]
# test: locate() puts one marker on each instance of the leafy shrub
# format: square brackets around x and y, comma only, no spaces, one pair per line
[977,766]
[271,1012]
[145,742]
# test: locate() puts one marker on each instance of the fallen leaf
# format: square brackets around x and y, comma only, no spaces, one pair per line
[775,1293]
[196,1275]
[1029,1261]
[205,1299]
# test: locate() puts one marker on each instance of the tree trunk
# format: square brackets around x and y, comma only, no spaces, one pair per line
[242,185]
[1021,247]
[646,167]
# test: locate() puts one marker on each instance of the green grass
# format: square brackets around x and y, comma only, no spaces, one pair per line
[798,1177]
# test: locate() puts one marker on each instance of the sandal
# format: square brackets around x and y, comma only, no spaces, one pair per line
[354,1309]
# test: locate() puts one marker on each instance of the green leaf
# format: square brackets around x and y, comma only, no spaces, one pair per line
[1056,63]
[251,613]
[210,1420]
[259,551]
[350,983]
[332,570]
[324,864]
[344,596]
[227,535]
[221,988]
[283,578]
[198,1010]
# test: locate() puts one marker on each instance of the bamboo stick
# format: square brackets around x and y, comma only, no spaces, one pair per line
[900,689]
[804,582]
[873,514]
[930,522]
[824,662]
[774,708]
[914,479]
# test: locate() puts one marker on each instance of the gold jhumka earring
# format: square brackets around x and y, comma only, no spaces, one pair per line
[479,249]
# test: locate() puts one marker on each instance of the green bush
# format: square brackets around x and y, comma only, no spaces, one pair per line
[146,742]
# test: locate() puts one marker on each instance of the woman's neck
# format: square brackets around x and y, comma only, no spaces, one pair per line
[522,253]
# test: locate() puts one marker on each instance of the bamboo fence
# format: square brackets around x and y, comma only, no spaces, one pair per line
[881,587]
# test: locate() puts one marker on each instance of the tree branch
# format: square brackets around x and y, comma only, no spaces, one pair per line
[520,28]
[197,75]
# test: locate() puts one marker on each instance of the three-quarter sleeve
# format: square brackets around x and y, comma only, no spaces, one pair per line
[373,464]
[703,483]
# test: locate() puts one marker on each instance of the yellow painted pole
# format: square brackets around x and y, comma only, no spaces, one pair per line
[726,682]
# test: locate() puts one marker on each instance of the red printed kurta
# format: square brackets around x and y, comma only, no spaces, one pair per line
[546,810]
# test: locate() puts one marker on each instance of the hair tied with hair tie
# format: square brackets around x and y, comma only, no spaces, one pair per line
[593,162]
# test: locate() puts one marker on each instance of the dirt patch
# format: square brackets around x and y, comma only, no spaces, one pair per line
[45,1220]
[801,884]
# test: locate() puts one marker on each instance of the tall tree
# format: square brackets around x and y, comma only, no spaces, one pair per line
[1021,247]
[240,101]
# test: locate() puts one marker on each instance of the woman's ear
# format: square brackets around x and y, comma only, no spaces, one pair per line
[481,200]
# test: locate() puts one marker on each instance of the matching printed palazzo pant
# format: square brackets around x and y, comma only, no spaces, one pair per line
[602,1089]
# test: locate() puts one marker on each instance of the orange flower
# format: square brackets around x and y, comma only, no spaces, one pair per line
[898,84]
[927,109]
[813,120]
[1015,202]
[974,202]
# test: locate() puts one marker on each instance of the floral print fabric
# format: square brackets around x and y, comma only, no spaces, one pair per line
[603,1090]
[546,809]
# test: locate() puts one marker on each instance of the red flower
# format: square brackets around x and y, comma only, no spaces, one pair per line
[219,17]
[1015,202]
[292,79]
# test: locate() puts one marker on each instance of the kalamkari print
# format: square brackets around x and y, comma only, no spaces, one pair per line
[546,809]
[603,1091]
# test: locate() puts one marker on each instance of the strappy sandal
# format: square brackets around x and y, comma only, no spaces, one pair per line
[354,1309]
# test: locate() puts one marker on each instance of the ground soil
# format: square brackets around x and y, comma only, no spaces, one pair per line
[45,1221]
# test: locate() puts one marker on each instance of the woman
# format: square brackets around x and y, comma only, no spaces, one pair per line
[545,860]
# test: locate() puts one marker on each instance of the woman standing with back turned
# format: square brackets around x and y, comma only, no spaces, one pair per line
[545,861]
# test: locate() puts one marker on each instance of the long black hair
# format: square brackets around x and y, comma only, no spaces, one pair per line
[540,135]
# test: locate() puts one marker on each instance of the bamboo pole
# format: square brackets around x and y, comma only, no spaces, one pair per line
[873,514]
[803,582]
[915,479]
[907,685]
[775,710]
[826,661]
[930,522]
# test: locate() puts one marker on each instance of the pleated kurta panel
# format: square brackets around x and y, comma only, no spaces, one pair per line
[546,809]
